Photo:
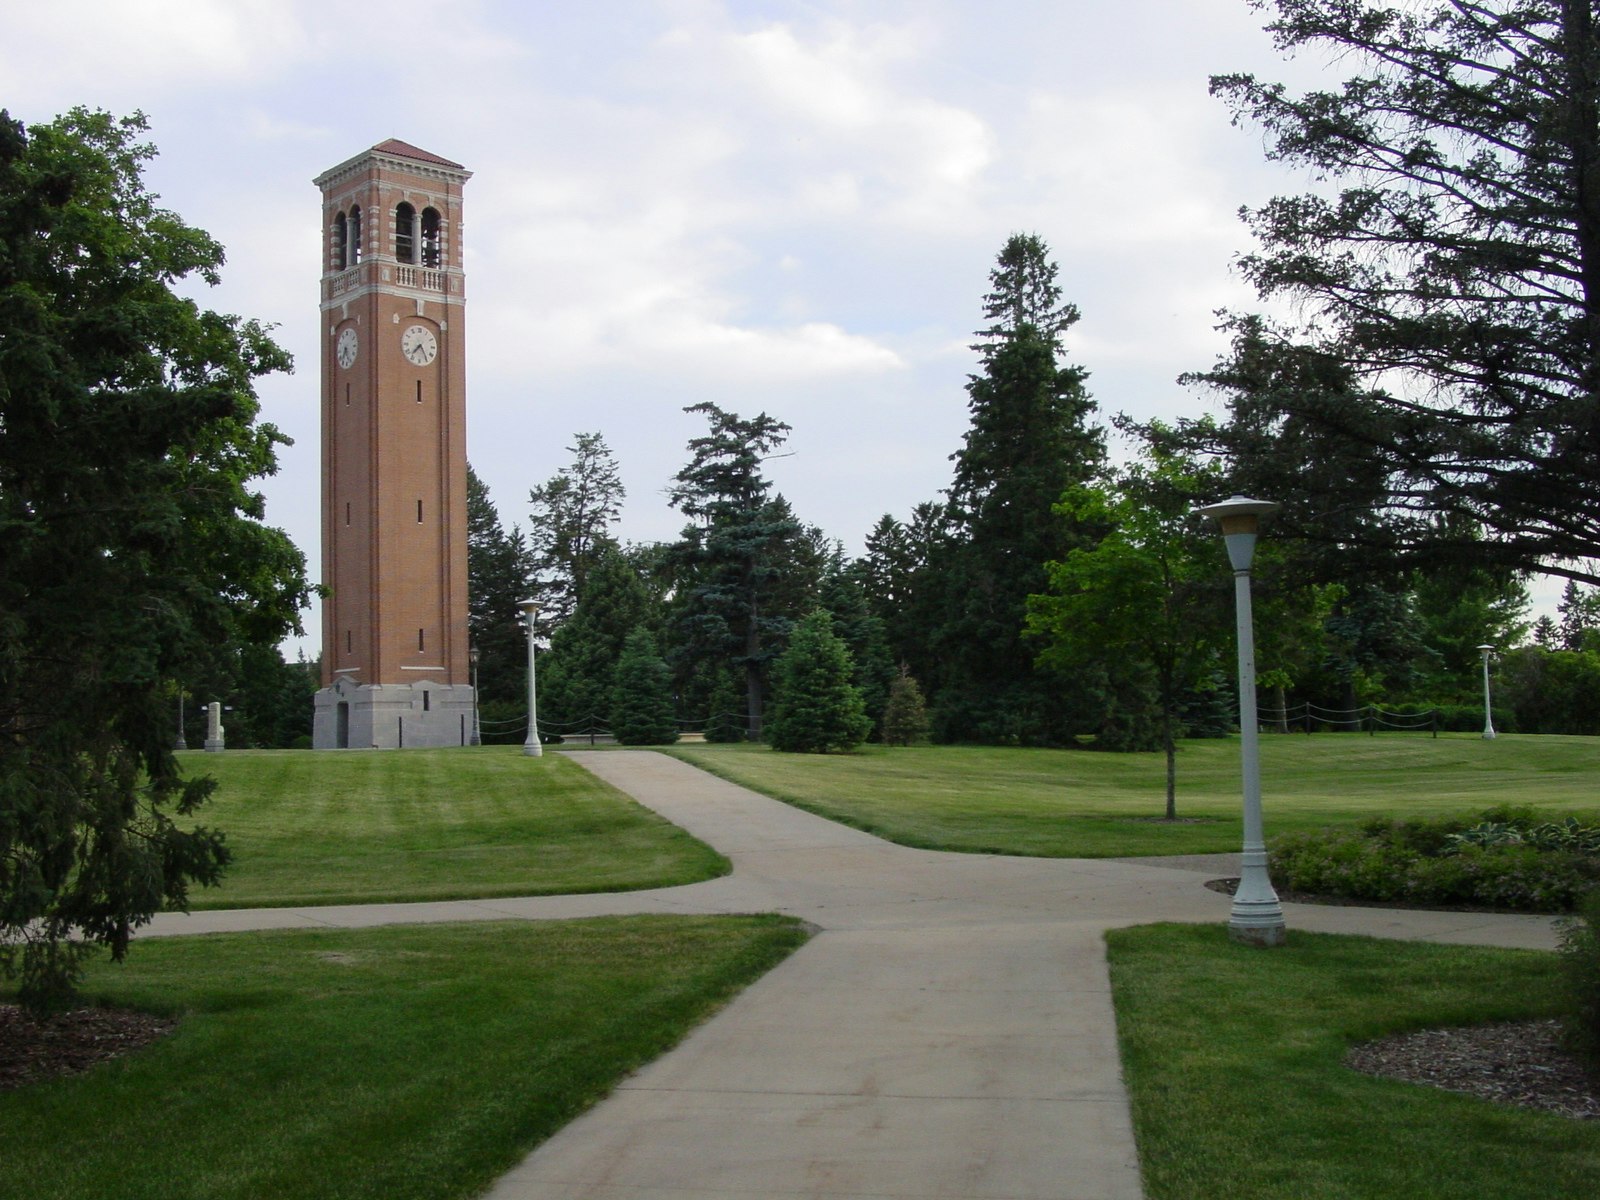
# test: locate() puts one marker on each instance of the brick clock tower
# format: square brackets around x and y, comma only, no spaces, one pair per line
[394,454]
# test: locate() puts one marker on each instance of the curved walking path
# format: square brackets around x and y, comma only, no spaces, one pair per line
[947,1033]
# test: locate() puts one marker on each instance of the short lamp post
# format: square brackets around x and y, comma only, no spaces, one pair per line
[1257,917]
[477,729]
[531,748]
[1488,712]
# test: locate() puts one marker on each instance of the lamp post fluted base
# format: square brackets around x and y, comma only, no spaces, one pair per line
[1257,917]
[532,750]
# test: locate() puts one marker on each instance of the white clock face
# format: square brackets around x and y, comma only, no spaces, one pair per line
[347,347]
[419,345]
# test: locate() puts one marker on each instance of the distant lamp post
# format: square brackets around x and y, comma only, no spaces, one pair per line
[182,742]
[1488,712]
[1257,917]
[477,731]
[531,748]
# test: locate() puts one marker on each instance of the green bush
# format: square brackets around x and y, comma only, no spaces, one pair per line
[1494,862]
[1580,965]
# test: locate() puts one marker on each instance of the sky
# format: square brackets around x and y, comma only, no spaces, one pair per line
[778,206]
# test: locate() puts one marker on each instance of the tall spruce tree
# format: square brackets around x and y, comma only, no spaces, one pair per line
[1029,441]
[731,565]
[1455,274]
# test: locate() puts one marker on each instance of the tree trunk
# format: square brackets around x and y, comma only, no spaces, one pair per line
[1170,746]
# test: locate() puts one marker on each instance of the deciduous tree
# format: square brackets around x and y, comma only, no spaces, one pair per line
[131,544]
[1149,596]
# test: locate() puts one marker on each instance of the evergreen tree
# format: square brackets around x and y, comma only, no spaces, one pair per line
[132,548]
[725,719]
[734,562]
[498,580]
[905,715]
[843,594]
[570,525]
[1029,441]
[1456,275]
[815,707]
[1579,611]
[577,672]
[642,709]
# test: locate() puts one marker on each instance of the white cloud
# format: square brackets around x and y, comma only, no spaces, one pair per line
[156,46]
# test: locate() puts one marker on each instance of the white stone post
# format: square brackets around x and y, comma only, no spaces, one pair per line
[214,740]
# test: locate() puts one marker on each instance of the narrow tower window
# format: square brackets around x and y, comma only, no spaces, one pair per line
[354,240]
[419,512]
[420,646]
[405,234]
[340,232]
[347,512]
[348,642]
[419,391]
[431,254]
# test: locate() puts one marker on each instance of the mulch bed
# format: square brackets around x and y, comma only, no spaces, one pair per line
[32,1051]
[1511,1062]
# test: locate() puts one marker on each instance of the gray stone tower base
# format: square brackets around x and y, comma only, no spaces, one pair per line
[391,716]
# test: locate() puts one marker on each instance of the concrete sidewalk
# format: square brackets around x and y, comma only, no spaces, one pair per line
[947,1033]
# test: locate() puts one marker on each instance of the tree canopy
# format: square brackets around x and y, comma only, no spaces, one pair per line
[1451,273]
[131,545]
[570,526]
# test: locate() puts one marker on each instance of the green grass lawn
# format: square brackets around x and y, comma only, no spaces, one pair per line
[1232,1057]
[310,827]
[1079,803]
[406,1063]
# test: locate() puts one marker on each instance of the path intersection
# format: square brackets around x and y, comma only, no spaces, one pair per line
[947,1033]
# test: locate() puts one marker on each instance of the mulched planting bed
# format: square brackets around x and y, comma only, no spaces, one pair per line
[1511,1062]
[35,1050]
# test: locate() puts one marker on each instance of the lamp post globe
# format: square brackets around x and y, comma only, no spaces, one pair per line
[1257,917]
[531,747]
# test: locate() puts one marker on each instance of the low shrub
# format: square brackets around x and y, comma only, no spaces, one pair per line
[1580,965]
[1504,860]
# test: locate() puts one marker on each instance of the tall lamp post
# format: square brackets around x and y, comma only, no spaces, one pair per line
[531,748]
[477,730]
[1488,712]
[1257,917]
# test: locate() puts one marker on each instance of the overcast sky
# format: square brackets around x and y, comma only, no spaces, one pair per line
[776,206]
